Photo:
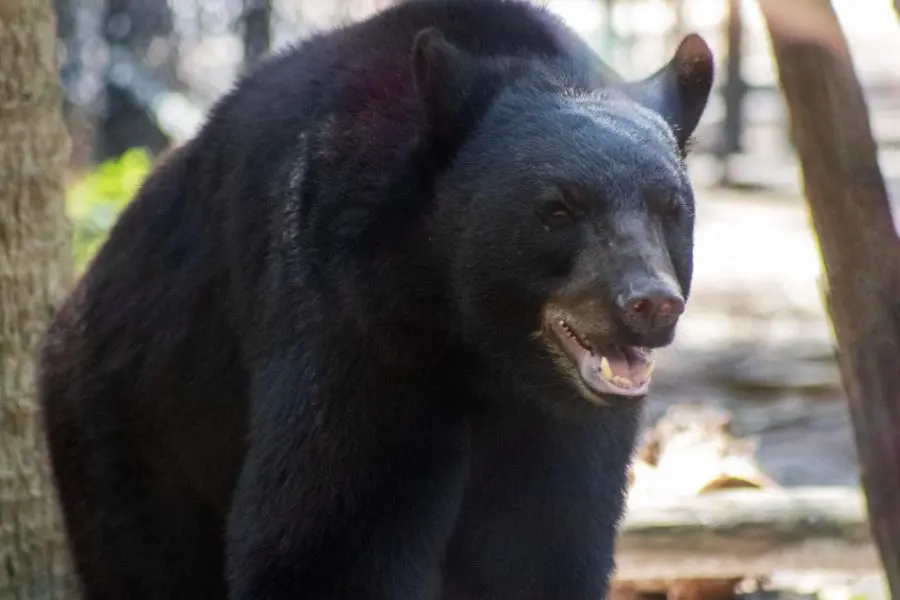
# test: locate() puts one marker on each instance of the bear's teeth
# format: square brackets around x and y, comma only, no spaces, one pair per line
[607,373]
[623,382]
[605,368]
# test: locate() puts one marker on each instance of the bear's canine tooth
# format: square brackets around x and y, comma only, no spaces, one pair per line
[606,369]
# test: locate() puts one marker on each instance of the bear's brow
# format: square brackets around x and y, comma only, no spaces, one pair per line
[620,114]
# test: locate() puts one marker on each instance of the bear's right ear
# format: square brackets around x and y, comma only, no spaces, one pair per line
[679,91]
[438,73]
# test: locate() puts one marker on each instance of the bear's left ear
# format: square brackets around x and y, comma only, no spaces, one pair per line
[434,61]
[679,91]
[445,77]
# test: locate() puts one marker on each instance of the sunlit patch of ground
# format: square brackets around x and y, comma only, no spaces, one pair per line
[756,271]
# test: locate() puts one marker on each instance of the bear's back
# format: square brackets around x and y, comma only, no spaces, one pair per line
[355,83]
[366,68]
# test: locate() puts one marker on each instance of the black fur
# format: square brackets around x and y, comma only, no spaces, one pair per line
[307,362]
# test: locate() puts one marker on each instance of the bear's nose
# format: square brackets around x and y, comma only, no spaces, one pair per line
[650,305]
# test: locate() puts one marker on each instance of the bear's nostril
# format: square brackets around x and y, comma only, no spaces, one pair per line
[641,306]
[670,307]
[652,307]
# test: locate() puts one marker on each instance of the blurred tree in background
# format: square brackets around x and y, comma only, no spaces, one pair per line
[34,273]
[143,53]
[257,29]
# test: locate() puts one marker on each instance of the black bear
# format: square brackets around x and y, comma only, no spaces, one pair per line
[382,328]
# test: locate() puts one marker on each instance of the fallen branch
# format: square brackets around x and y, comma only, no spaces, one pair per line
[745,533]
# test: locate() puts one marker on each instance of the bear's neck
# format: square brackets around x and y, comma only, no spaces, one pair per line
[563,476]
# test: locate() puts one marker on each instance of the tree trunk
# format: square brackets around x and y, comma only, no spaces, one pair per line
[849,207]
[34,270]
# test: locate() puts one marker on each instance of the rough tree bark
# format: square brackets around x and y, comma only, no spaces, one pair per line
[34,268]
[848,203]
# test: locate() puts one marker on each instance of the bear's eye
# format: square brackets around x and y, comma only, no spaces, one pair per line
[557,212]
[670,205]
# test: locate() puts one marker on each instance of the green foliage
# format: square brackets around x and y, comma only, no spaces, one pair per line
[95,201]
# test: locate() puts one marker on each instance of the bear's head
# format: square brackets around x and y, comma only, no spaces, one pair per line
[566,214]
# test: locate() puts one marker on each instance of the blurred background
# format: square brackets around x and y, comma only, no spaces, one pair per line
[753,363]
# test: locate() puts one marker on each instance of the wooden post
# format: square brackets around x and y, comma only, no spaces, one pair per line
[848,203]
[734,90]
[610,33]
[257,30]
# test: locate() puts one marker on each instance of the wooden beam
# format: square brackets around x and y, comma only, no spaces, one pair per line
[745,533]
[848,203]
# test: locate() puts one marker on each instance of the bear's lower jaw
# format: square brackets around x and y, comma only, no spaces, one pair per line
[605,369]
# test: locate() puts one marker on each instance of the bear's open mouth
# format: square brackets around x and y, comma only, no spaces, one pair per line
[605,368]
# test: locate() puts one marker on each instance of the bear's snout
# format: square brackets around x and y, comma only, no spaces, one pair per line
[649,305]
